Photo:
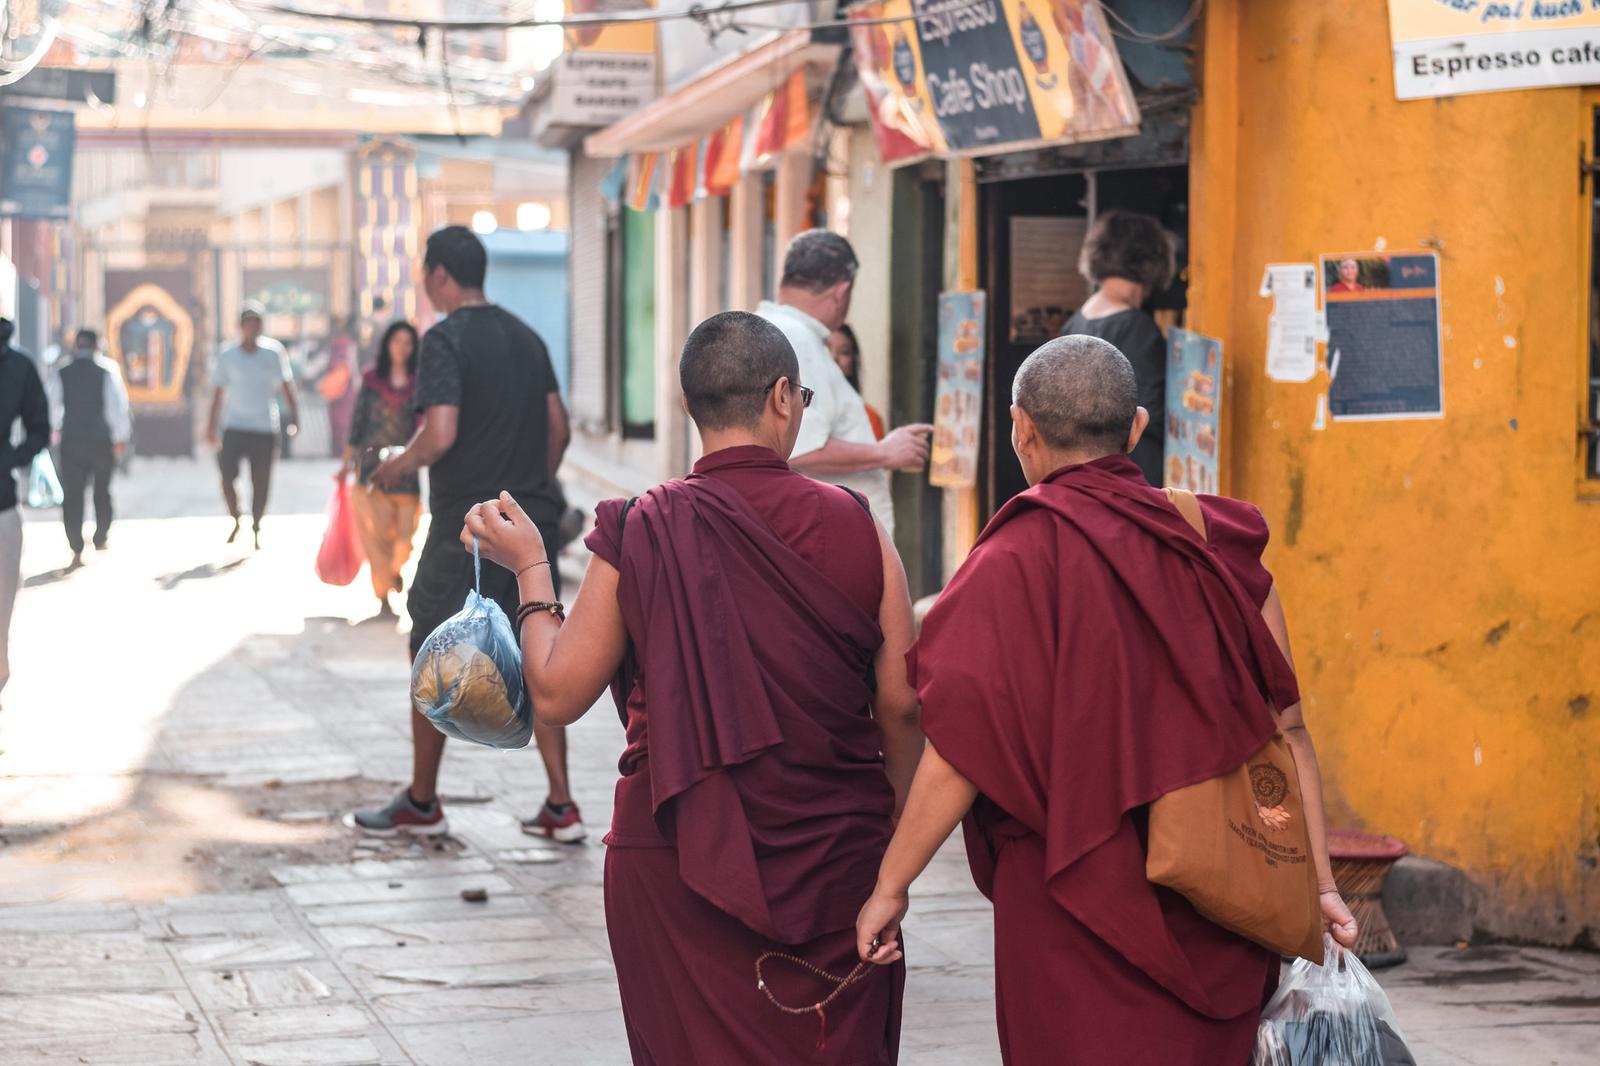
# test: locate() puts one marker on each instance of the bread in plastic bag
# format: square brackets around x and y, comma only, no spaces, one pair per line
[1330,1015]
[467,679]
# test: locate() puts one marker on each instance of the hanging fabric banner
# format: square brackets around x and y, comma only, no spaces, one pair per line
[643,197]
[978,77]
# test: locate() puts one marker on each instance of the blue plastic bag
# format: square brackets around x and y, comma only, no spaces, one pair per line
[44,489]
[467,679]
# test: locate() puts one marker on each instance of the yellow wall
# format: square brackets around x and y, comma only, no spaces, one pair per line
[1442,577]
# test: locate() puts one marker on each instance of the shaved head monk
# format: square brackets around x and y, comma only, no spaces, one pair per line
[1084,661]
[753,626]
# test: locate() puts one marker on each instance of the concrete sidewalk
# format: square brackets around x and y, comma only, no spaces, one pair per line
[188,721]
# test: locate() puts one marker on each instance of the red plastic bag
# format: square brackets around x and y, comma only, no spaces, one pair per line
[340,557]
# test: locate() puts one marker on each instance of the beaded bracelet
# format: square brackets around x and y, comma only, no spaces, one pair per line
[553,607]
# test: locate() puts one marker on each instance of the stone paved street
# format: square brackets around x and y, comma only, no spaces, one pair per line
[186,723]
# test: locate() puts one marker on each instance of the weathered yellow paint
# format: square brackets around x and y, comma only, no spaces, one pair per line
[1442,577]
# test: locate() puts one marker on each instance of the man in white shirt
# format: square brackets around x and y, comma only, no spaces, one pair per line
[250,377]
[92,426]
[836,442]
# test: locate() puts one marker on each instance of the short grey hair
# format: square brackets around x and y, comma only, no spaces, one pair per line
[1080,392]
[1123,244]
[817,260]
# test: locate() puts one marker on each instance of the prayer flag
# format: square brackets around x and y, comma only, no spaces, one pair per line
[615,181]
[643,197]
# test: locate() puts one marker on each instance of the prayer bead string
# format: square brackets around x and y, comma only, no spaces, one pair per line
[820,1008]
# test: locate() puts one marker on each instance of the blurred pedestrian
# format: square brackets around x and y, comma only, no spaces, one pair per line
[771,730]
[836,440]
[339,384]
[94,426]
[21,400]
[1095,653]
[846,352]
[250,378]
[492,419]
[1127,257]
[385,416]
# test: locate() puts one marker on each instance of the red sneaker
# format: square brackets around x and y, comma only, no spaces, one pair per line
[401,816]
[564,825]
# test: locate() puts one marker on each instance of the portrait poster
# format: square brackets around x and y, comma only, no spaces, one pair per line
[958,399]
[976,77]
[36,150]
[1384,356]
[1194,411]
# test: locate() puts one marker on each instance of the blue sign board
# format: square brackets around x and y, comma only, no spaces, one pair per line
[36,163]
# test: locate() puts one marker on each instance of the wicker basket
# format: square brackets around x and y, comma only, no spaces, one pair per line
[1361,864]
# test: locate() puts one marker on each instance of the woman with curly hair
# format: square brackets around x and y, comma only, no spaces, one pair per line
[1127,257]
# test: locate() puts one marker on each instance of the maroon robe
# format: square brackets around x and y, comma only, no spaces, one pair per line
[753,809]
[1093,654]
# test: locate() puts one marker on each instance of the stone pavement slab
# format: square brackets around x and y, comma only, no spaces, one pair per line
[175,886]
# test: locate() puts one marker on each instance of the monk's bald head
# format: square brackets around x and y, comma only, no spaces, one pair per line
[728,363]
[1080,393]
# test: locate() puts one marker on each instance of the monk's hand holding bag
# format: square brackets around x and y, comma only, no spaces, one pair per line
[1237,846]
[467,679]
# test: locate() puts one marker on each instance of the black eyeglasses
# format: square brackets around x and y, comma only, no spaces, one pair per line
[805,393]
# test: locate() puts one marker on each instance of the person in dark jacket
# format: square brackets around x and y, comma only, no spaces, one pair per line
[21,399]
[94,425]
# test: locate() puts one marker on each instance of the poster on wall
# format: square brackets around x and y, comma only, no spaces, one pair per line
[1046,287]
[1194,411]
[1450,47]
[958,401]
[1384,358]
[988,76]
[36,163]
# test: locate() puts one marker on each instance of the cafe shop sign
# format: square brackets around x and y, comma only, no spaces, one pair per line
[978,77]
[1450,47]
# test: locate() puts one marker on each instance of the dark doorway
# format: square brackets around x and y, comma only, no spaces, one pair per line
[1031,232]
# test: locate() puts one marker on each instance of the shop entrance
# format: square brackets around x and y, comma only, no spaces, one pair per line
[1031,231]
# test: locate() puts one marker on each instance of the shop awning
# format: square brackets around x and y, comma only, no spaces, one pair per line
[716,97]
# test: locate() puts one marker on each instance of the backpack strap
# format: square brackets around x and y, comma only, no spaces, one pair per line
[1189,507]
[862,500]
[629,671]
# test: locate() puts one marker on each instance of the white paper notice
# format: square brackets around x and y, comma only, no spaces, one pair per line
[1294,327]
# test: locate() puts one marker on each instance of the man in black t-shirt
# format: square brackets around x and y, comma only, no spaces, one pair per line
[492,420]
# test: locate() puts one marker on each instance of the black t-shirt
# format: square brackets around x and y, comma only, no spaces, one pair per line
[487,362]
[1137,336]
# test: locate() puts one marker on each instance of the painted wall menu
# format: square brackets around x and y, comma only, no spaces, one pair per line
[958,401]
[1384,360]
[1194,406]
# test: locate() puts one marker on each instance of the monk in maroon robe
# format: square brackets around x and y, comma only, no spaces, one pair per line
[1092,654]
[753,625]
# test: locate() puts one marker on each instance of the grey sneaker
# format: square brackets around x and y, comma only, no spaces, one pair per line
[400,816]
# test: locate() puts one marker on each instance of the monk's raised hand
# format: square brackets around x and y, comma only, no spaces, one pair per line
[504,532]
[1340,922]
[878,928]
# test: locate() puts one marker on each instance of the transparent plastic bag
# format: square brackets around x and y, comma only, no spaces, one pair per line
[1330,1015]
[467,679]
[44,489]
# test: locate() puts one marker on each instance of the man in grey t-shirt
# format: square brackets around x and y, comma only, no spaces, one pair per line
[249,377]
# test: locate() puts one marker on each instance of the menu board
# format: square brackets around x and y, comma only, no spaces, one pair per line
[958,403]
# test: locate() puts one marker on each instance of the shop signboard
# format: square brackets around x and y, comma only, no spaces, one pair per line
[1384,359]
[978,77]
[958,399]
[1194,411]
[1450,47]
[36,156]
[606,72]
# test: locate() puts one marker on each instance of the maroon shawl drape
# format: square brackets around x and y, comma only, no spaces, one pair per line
[1093,654]
[765,762]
